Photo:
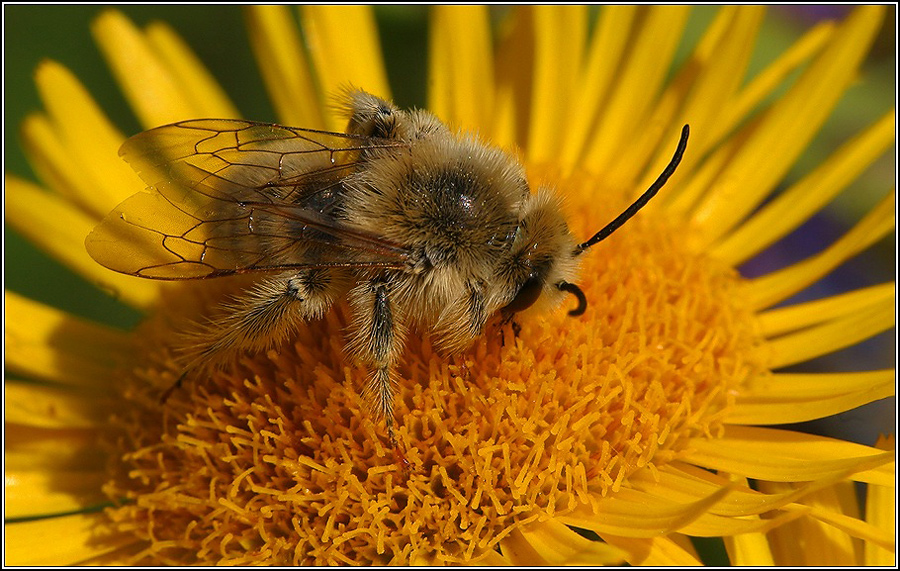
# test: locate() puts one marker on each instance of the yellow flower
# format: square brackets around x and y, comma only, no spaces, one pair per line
[613,437]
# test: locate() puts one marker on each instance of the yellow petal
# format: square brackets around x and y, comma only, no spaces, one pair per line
[204,92]
[560,33]
[45,343]
[275,40]
[768,290]
[853,527]
[761,86]
[52,160]
[881,512]
[648,63]
[653,552]
[51,450]
[30,493]
[345,51]
[558,545]
[697,95]
[149,84]
[461,73]
[813,385]
[88,160]
[65,540]
[30,404]
[519,552]
[783,540]
[794,317]
[607,49]
[788,398]
[749,550]
[768,153]
[684,483]
[831,336]
[32,211]
[514,64]
[796,204]
[630,513]
[721,75]
[785,456]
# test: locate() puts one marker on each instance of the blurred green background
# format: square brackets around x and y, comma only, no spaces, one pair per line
[218,35]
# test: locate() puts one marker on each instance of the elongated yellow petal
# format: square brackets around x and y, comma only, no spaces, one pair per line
[630,513]
[768,290]
[514,65]
[829,337]
[761,86]
[813,385]
[782,455]
[520,552]
[54,164]
[30,404]
[204,92]
[30,493]
[560,33]
[793,317]
[47,343]
[710,525]
[653,552]
[275,40]
[796,204]
[51,450]
[557,544]
[32,211]
[659,134]
[881,512]
[853,526]
[345,51]
[788,398]
[822,546]
[768,153]
[65,540]
[686,483]
[87,157]
[150,86]
[749,550]
[461,72]
[707,82]
[607,48]
[648,62]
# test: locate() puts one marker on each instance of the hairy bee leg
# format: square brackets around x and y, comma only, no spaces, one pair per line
[464,320]
[264,316]
[376,341]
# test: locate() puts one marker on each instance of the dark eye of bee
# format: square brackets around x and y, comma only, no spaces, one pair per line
[527,295]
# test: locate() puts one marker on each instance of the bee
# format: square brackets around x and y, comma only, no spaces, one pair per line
[419,227]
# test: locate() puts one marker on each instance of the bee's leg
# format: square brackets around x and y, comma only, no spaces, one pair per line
[376,339]
[264,316]
[463,320]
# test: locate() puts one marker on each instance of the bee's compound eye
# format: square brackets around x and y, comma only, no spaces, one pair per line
[526,296]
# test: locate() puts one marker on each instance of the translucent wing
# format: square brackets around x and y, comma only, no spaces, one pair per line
[230,196]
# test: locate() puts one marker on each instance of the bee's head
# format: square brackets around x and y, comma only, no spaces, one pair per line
[542,260]
[544,253]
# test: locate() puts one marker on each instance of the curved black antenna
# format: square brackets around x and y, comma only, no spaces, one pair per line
[644,198]
[576,291]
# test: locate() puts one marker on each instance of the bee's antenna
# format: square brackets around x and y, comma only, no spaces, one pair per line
[644,198]
[576,291]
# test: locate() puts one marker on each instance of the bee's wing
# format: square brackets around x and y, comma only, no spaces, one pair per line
[230,196]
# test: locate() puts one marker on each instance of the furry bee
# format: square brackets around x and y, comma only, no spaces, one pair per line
[419,227]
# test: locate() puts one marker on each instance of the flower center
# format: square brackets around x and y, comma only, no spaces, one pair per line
[277,460]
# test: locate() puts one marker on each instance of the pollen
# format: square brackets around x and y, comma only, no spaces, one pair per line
[277,459]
